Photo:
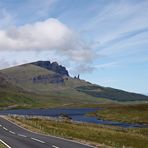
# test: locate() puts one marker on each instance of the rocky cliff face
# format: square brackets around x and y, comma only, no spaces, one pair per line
[55,79]
[3,80]
[52,66]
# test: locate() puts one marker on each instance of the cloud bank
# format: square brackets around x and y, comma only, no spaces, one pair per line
[50,35]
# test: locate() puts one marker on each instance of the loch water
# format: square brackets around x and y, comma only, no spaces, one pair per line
[75,114]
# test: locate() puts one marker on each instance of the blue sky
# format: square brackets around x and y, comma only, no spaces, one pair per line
[106,41]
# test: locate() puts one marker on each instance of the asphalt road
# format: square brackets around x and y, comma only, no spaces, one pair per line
[17,137]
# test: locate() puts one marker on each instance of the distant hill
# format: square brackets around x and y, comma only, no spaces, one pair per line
[110,93]
[45,84]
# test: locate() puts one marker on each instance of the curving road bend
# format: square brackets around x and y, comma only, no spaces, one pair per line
[16,137]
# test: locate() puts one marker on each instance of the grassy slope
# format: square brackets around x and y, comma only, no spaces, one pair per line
[110,93]
[10,93]
[73,91]
[137,113]
[2,145]
[113,136]
[42,94]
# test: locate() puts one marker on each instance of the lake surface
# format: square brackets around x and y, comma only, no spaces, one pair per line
[75,114]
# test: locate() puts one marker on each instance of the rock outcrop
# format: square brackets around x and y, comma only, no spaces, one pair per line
[52,66]
[55,79]
[3,80]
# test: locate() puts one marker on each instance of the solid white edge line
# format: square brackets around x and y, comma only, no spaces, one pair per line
[4,143]
[49,135]
[37,140]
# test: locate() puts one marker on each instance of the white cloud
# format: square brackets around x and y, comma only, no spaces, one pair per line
[107,65]
[50,35]
[117,18]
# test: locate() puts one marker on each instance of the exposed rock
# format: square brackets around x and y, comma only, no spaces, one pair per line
[3,80]
[55,78]
[65,116]
[52,66]
[77,77]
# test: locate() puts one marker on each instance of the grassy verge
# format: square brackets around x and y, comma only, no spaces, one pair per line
[137,113]
[2,145]
[96,134]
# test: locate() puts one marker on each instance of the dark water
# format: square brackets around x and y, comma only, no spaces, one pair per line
[75,114]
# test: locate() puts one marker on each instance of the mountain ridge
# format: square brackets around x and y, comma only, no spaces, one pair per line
[54,66]
[44,85]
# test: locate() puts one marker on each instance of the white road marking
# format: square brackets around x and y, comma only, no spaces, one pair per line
[5,143]
[22,135]
[0,125]
[37,140]
[5,128]
[55,146]
[11,132]
[73,141]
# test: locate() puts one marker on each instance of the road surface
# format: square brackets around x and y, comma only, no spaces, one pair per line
[17,137]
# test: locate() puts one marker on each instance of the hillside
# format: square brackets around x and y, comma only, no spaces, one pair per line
[110,93]
[11,94]
[45,84]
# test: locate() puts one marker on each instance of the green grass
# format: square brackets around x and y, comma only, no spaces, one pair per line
[92,133]
[26,94]
[21,92]
[2,145]
[137,113]
[111,93]
[53,99]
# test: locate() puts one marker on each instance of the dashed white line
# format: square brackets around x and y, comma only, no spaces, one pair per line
[55,146]
[11,132]
[37,140]
[5,128]
[22,135]
[73,141]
